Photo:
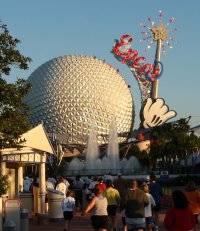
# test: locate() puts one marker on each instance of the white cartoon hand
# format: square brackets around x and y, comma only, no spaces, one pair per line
[156,113]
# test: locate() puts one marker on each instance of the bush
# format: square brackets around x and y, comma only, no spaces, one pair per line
[3,184]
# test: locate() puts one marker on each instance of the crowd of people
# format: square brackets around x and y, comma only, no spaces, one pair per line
[138,202]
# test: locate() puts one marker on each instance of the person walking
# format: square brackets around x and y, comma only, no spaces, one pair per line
[193,197]
[134,202]
[86,197]
[95,181]
[179,217]
[98,208]
[113,198]
[148,208]
[120,184]
[78,186]
[101,184]
[68,204]
[61,186]
[156,192]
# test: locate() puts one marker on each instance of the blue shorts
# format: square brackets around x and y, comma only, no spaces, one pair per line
[135,223]
[149,220]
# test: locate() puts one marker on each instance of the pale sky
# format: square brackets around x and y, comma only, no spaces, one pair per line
[48,29]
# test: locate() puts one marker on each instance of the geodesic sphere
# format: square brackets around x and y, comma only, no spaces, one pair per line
[70,92]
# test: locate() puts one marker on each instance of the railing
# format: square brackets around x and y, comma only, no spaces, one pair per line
[113,172]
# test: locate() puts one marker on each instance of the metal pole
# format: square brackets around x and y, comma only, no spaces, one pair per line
[154,89]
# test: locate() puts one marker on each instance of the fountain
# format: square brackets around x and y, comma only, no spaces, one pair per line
[110,163]
[75,166]
[92,153]
[113,146]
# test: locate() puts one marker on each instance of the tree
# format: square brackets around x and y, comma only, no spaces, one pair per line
[13,110]
[9,55]
[171,143]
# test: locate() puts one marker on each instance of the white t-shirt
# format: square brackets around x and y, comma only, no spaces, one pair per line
[147,209]
[62,187]
[68,203]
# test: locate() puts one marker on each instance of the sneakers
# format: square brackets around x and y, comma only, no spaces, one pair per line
[156,228]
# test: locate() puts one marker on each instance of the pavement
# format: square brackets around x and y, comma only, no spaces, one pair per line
[79,223]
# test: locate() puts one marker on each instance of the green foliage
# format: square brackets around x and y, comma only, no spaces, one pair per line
[13,110]
[9,55]
[172,142]
[3,184]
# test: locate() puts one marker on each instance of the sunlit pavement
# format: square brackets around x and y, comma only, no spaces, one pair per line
[79,223]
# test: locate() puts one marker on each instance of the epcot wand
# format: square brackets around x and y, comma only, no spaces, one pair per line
[154,111]
[160,35]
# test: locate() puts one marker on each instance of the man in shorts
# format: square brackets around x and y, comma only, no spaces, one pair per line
[113,198]
[134,202]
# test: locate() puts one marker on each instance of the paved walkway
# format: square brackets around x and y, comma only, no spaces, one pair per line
[79,223]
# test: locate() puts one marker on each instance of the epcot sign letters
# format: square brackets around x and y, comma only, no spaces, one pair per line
[151,71]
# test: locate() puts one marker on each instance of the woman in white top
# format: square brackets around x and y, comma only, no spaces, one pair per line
[99,215]
[148,208]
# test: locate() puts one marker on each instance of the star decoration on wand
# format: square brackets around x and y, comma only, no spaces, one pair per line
[161,32]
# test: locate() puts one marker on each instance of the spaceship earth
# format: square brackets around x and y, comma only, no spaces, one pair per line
[71,92]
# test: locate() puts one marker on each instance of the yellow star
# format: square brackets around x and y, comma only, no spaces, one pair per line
[160,32]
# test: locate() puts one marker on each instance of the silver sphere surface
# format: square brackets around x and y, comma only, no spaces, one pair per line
[70,92]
